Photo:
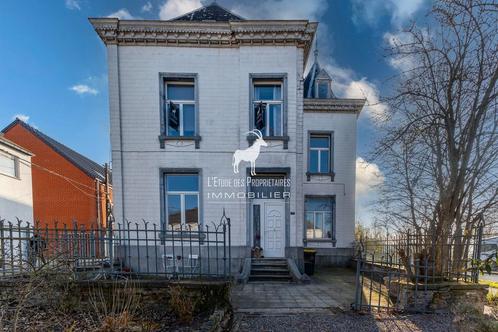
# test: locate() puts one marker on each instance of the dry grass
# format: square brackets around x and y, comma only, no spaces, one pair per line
[114,305]
[183,303]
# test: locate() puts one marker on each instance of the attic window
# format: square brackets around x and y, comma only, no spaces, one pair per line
[323,87]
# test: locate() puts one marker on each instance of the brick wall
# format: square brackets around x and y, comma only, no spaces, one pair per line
[54,197]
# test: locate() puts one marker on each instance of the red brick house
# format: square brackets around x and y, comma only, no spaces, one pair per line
[67,186]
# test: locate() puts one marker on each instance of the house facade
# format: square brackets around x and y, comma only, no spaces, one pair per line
[210,111]
[68,188]
[16,193]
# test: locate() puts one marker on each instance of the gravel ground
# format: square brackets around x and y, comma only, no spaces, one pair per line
[342,321]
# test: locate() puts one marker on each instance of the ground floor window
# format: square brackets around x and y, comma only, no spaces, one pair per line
[319,213]
[182,200]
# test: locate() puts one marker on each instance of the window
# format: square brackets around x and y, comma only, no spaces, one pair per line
[319,217]
[323,89]
[268,107]
[182,200]
[319,153]
[180,107]
[8,164]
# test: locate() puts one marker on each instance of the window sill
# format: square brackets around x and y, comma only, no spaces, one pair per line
[333,241]
[164,138]
[185,236]
[285,139]
[10,176]
[310,174]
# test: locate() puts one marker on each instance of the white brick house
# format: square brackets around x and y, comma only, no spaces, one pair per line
[183,95]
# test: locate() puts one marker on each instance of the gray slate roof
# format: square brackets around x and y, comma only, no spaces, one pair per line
[88,166]
[316,72]
[211,12]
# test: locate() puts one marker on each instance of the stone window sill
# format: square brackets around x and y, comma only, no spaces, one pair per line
[309,241]
[164,138]
[310,174]
[284,139]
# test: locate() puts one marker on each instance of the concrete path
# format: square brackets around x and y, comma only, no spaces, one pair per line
[322,305]
[331,288]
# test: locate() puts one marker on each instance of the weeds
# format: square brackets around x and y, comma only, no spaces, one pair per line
[114,305]
[183,303]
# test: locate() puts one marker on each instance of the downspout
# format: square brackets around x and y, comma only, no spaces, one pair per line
[97,189]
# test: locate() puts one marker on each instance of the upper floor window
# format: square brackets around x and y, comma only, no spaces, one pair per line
[268,107]
[319,153]
[8,165]
[182,200]
[181,107]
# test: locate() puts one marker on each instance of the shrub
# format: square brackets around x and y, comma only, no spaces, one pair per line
[492,299]
[183,303]
[468,318]
[114,305]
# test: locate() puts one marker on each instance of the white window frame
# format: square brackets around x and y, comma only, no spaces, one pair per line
[267,103]
[182,199]
[331,212]
[329,149]
[15,159]
[180,104]
[323,213]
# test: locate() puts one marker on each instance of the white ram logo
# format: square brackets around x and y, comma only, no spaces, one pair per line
[250,154]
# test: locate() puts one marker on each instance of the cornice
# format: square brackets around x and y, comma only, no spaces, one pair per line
[333,105]
[206,34]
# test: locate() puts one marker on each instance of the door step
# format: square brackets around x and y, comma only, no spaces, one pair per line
[273,270]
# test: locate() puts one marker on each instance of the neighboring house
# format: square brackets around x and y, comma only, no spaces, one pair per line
[183,95]
[16,195]
[67,187]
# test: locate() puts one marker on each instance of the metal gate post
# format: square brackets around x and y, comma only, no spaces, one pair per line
[358,287]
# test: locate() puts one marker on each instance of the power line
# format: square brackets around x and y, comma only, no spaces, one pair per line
[74,183]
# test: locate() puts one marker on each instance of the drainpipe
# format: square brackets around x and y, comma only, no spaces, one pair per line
[97,189]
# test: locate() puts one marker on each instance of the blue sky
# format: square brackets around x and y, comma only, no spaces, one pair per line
[53,66]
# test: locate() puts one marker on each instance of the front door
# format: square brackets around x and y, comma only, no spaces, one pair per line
[273,228]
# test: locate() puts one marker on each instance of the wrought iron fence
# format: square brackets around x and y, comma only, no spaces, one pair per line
[131,249]
[399,272]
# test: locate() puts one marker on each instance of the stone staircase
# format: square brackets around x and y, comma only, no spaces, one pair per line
[270,270]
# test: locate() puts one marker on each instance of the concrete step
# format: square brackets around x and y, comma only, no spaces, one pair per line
[270,278]
[269,259]
[270,270]
[267,271]
[269,266]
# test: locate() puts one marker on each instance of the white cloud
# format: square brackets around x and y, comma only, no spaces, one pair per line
[147,7]
[22,117]
[73,4]
[83,89]
[364,89]
[370,11]
[368,177]
[122,14]
[173,8]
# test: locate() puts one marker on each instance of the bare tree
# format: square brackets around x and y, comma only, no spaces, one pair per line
[440,144]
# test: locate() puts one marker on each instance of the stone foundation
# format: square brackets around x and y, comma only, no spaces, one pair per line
[440,297]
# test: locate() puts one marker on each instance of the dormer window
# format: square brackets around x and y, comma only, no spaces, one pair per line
[323,89]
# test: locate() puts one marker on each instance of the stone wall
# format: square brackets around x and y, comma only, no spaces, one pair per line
[441,297]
